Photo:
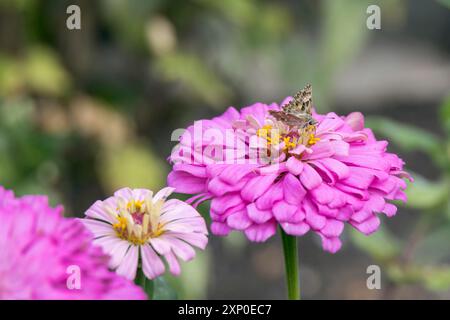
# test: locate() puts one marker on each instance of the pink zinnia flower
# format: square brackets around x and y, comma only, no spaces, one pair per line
[333,172]
[38,247]
[136,222]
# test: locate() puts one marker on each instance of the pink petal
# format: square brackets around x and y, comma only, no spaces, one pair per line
[309,177]
[333,228]
[233,173]
[185,182]
[194,170]
[125,193]
[360,194]
[355,120]
[389,209]
[261,232]
[323,194]
[359,178]
[220,229]
[217,187]
[284,211]
[255,187]
[293,190]
[172,261]
[335,167]
[315,220]
[339,147]
[198,240]
[327,211]
[331,123]
[97,211]
[223,203]
[151,264]
[294,229]
[368,226]
[128,266]
[258,216]
[163,194]
[239,220]
[175,209]
[294,166]
[345,213]
[332,244]
[273,194]
[181,249]
[114,247]
[320,150]
[160,246]
[98,228]
[366,161]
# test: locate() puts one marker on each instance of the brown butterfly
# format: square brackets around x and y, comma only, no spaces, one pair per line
[298,112]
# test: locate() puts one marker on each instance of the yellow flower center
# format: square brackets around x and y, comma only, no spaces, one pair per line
[137,221]
[290,139]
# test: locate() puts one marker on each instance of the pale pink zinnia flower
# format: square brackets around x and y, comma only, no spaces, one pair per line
[38,248]
[332,173]
[134,223]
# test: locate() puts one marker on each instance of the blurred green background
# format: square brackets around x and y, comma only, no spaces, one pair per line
[84,112]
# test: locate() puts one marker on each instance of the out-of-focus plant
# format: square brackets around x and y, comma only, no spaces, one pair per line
[30,159]
[424,257]
[142,67]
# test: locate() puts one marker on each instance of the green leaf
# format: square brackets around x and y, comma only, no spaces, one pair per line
[408,137]
[162,290]
[424,194]
[381,245]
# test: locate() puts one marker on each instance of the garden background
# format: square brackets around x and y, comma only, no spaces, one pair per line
[84,112]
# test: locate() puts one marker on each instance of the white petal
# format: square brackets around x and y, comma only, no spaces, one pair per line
[129,264]
[151,263]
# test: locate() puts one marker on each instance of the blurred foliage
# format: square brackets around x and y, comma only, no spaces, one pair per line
[444,2]
[83,113]
[163,290]
[39,72]
[125,166]
[425,256]
[382,245]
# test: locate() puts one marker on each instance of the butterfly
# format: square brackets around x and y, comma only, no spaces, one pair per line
[298,112]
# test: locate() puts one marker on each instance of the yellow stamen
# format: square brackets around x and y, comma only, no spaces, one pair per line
[138,220]
[288,144]
[313,139]
[264,131]
[121,224]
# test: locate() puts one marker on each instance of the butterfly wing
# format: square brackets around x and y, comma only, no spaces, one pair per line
[301,104]
[298,111]
[290,119]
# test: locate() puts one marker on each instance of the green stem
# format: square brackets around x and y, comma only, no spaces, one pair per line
[290,251]
[141,280]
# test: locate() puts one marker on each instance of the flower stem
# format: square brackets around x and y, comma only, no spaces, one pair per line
[141,280]
[290,251]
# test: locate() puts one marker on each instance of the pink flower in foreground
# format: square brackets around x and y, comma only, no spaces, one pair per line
[38,247]
[334,172]
[136,222]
